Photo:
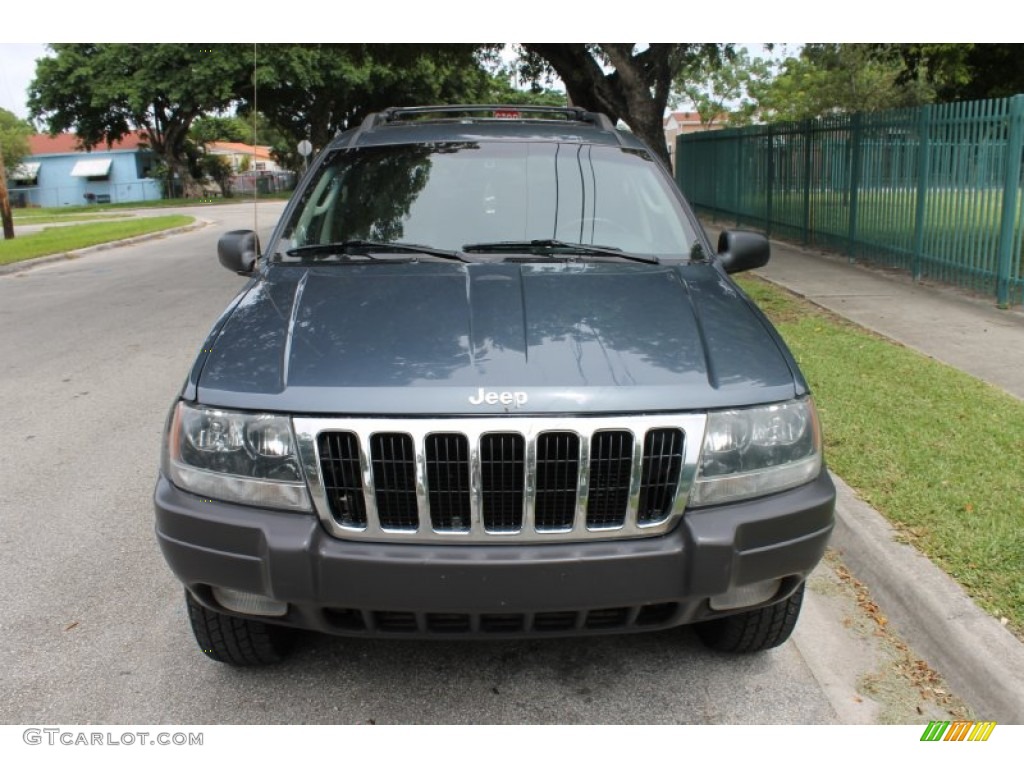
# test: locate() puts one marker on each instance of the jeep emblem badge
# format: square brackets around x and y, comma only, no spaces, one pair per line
[518,399]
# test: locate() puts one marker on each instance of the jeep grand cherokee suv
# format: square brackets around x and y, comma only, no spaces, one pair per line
[489,379]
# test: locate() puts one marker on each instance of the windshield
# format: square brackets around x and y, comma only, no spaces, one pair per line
[452,195]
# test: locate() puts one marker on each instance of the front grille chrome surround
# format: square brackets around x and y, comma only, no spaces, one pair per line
[500,480]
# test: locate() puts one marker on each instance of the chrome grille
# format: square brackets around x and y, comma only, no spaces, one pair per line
[460,480]
[611,471]
[502,469]
[448,482]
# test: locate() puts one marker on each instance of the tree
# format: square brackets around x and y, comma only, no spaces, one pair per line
[962,71]
[312,91]
[14,134]
[106,90]
[831,78]
[623,80]
[720,90]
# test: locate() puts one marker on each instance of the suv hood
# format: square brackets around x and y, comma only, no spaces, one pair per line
[444,338]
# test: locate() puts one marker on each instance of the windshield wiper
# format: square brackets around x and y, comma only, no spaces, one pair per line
[545,246]
[347,246]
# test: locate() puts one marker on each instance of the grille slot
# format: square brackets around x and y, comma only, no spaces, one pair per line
[448,622]
[394,621]
[606,618]
[448,482]
[557,477]
[394,480]
[502,470]
[555,621]
[538,479]
[342,477]
[611,471]
[662,464]
[502,622]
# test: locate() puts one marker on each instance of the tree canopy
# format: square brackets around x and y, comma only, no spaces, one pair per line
[106,90]
[829,78]
[626,81]
[14,133]
[722,91]
[312,91]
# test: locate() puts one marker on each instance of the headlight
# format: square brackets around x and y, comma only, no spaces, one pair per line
[757,451]
[249,458]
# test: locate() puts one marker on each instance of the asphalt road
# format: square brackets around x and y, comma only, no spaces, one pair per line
[92,352]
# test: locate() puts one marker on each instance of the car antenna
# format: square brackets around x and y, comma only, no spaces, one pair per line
[255,178]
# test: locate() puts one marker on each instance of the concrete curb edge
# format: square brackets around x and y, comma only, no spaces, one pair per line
[980,659]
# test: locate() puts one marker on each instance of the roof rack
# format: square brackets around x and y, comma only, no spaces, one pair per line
[394,114]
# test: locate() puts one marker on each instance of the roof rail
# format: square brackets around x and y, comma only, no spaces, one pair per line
[578,114]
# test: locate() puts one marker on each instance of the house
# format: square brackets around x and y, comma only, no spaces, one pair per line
[244,157]
[58,171]
[677,123]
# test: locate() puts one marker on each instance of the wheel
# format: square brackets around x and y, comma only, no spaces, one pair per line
[753,631]
[235,641]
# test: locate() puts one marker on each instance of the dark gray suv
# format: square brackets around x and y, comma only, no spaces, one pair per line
[489,379]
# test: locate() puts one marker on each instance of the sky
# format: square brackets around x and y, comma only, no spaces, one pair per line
[461,21]
[17,67]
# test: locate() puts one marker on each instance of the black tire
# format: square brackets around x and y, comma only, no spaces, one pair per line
[235,641]
[753,631]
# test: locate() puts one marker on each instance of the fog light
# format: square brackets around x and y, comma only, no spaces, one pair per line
[247,602]
[741,597]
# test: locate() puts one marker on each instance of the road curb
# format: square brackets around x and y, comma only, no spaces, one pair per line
[980,659]
[21,266]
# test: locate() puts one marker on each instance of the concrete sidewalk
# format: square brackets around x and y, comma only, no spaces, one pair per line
[965,332]
[980,659]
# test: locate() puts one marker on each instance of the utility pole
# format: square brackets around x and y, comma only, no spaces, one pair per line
[5,202]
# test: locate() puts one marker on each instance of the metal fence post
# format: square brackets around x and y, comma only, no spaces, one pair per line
[770,186]
[807,181]
[855,139]
[1011,188]
[923,169]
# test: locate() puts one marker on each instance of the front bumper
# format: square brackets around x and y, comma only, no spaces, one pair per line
[362,588]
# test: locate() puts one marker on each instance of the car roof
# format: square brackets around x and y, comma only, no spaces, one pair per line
[426,125]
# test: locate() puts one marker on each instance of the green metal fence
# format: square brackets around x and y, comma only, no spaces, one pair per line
[935,190]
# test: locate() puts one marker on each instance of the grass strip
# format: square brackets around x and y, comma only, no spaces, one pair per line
[63,239]
[30,215]
[938,452]
[64,218]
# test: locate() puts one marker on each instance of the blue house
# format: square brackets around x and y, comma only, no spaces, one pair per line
[59,172]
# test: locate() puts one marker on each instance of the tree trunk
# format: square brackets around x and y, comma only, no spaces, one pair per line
[636,91]
[5,202]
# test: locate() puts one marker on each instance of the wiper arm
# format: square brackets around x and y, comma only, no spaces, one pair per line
[545,246]
[346,246]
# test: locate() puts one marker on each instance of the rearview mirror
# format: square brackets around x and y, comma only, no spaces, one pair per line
[238,250]
[740,250]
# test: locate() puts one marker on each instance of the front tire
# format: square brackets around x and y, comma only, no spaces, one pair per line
[235,641]
[753,631]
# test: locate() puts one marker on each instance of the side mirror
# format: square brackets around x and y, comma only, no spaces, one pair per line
[739,250]
[238,249]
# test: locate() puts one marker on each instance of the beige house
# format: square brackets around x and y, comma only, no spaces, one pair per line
[676,123]
[244,157]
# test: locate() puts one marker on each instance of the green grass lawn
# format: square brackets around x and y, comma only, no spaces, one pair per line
[51,218]
[938,452]
[32,215]
[62,239]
